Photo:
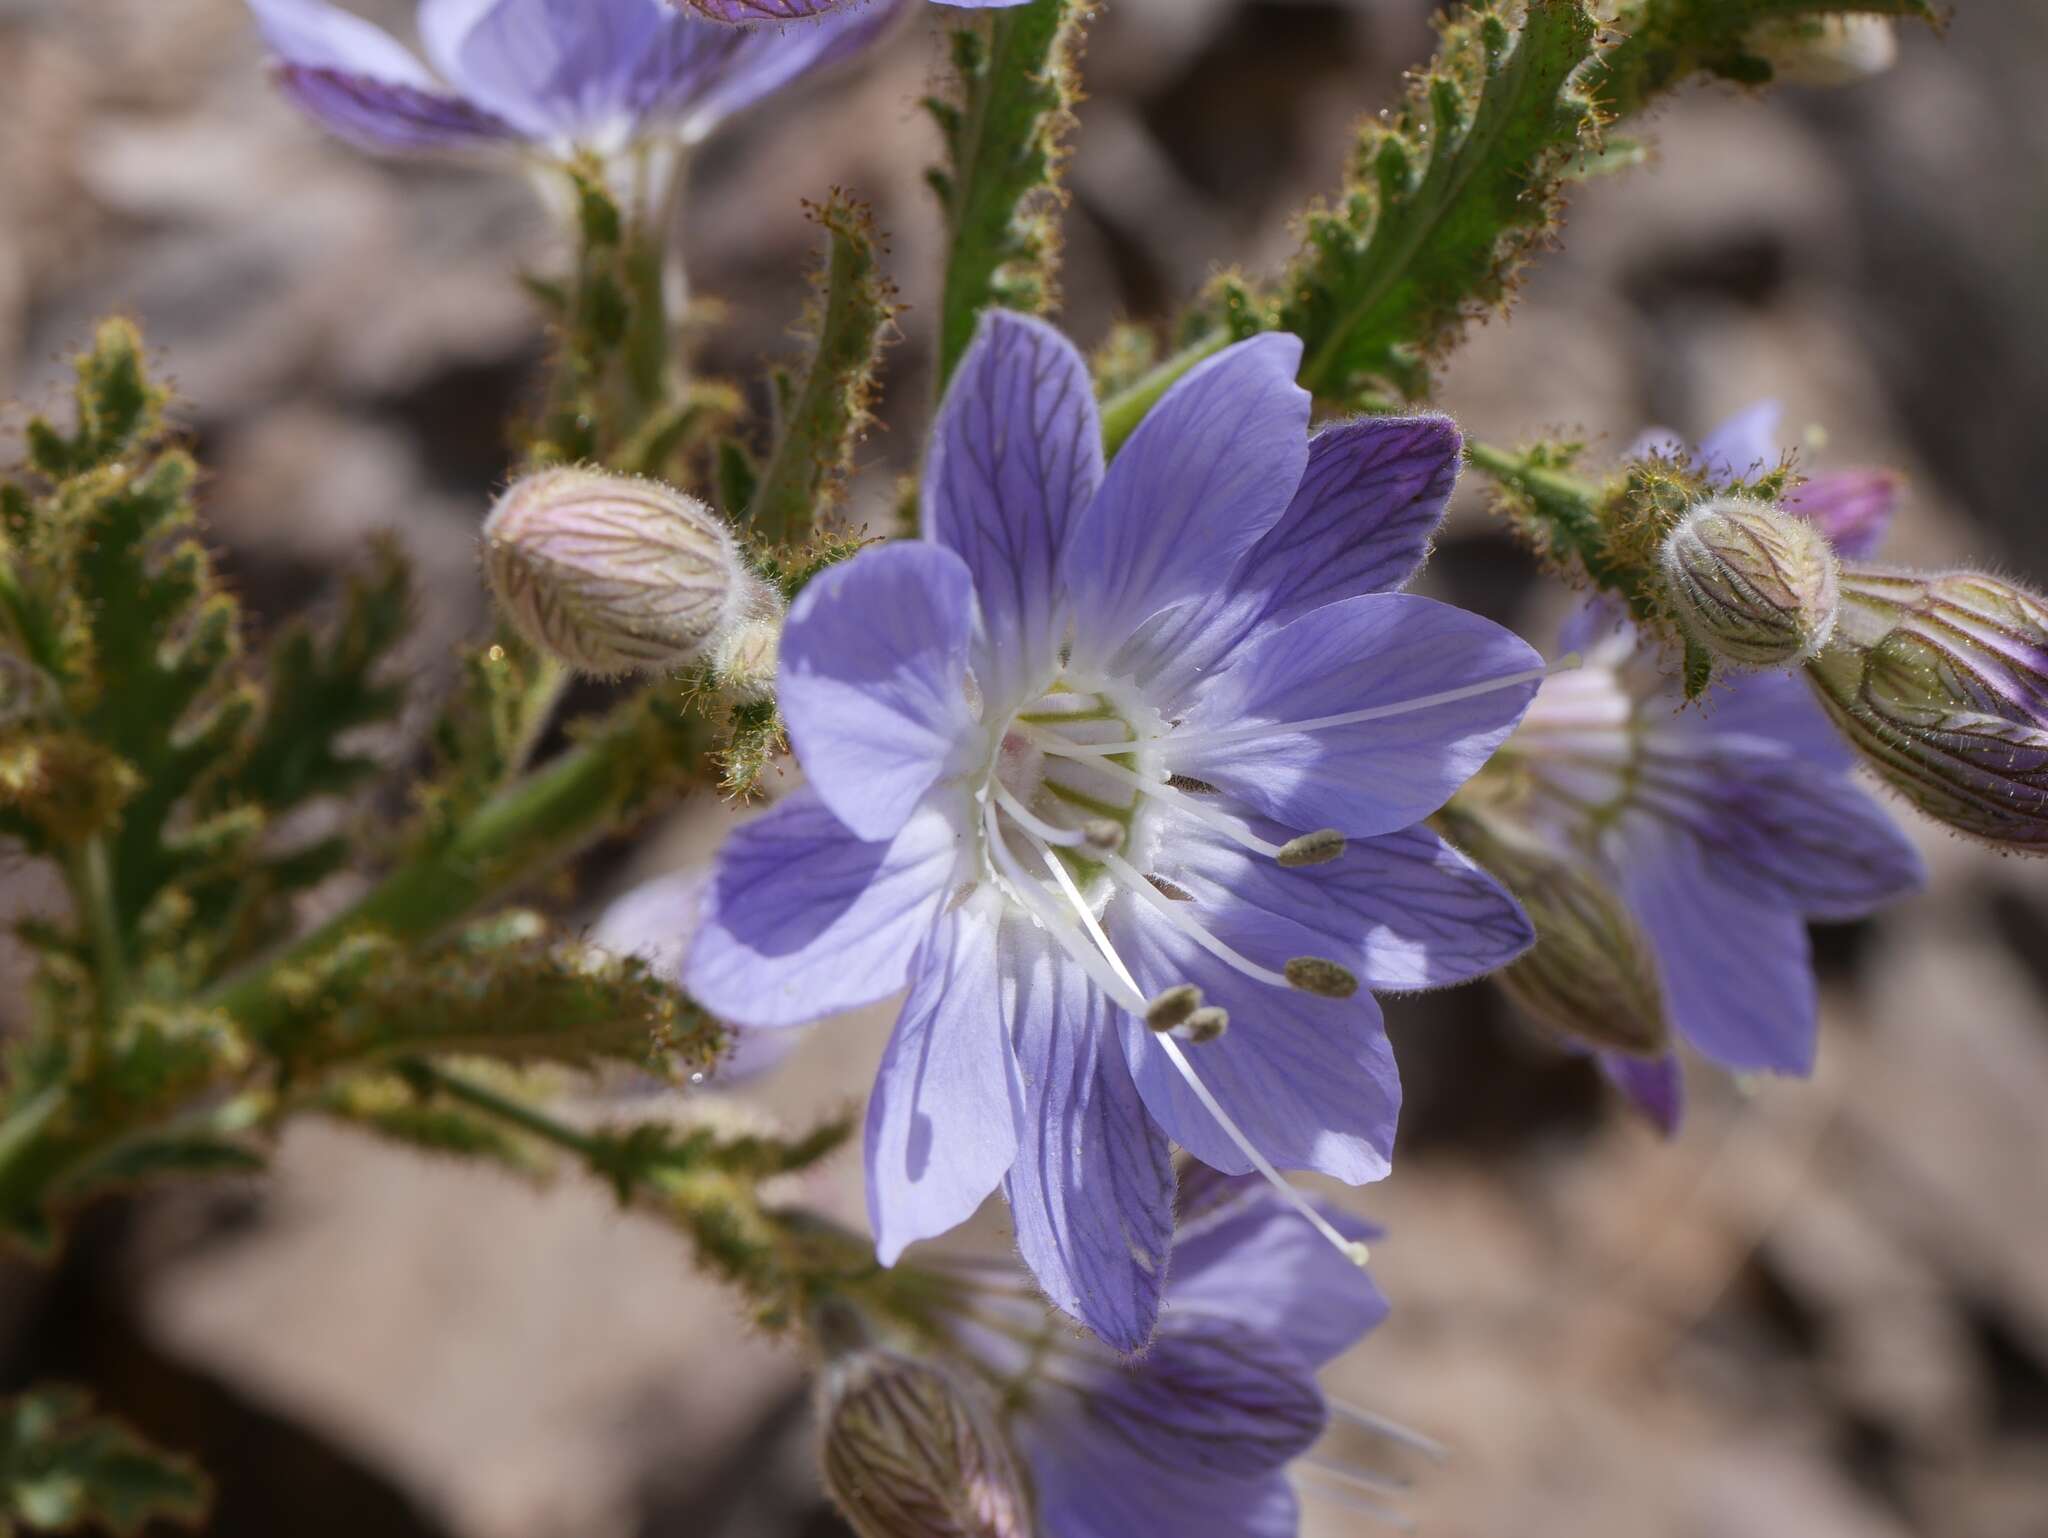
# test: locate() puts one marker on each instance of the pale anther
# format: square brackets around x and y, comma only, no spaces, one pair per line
[1320,976]
[1173,1007]
[1103,834]
[1318,848]
[1204,1025]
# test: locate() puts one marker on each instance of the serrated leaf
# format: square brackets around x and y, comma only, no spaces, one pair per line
[1663,43]
[1445,200]
[1004,122]
[63,1467]
[822,420]
[513,996]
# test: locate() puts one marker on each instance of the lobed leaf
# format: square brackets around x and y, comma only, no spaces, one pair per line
[1445,200]
[63,1467]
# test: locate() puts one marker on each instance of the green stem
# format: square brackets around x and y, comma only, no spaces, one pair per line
[514,1113]
[526,828]
[92,892]
[1566,504]
[1122,412]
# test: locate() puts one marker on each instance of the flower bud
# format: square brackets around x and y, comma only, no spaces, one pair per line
[1941,683]
[1827,50]
[1755,586]
[911,1452]
[613,575]
[1591,974]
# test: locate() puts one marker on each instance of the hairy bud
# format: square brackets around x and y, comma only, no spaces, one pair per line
[1591,974]
[613,575]
[1827,50]
[1941,683]
[911,1452]
[1754,585]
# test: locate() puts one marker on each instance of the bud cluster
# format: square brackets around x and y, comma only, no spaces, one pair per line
[1754,585]
[612,575]
[1941,682]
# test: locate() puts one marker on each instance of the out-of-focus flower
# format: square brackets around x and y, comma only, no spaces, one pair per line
[1754,585]
[1853,508]
[910,1451]
[1827,50]
[1719,828]
[744,11]
[612,574]
[656,921]
[1942,683]
[1196,1437]
[558,78]
[1110,751]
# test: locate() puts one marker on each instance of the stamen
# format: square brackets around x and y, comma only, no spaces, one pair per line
[1351,1249]
[1318,848]
[1178,915]
[1036,826]
[1393,1431]
[1129,991]
[1103,834]
[1347,1497]
[1235,734]
[1205,1025]
[1321,976]
[1228,826]
[1031,894]
[1173,1007]
[1358,1479]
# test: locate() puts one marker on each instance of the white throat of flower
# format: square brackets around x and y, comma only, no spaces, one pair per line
[1069,781]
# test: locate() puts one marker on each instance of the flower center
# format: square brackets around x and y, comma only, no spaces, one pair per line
[1079,810]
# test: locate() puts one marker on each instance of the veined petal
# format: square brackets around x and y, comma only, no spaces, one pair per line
[1828,849]
[1214,1397]
[1360,522]
[1736,966]
[391,119]
[1852,507]
[1762,714]
[768,59]
[1310,1081]
[361,83]
[1092,1187]
[1016,457]
[1402,911]
[874,681]
[1260,1262]
[1089,1487]
[316,35]
[943,1122]
[555,68]
[1208,472]
[803,919]
[1382,651]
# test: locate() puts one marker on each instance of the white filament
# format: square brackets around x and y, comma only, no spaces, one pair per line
[1175,914]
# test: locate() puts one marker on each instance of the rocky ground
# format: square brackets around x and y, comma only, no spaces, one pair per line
[1822,1311]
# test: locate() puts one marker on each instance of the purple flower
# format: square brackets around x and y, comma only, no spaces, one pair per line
[1195,1438]
[744,11]
[1852,507]
[1722,828]
[1148,743]
[563,77]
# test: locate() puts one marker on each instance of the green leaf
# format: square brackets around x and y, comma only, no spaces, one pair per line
[385,1104]
[504,990]
[1666,42]
[63,1467]
[824,419]
[1004,120]
[1446,199]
